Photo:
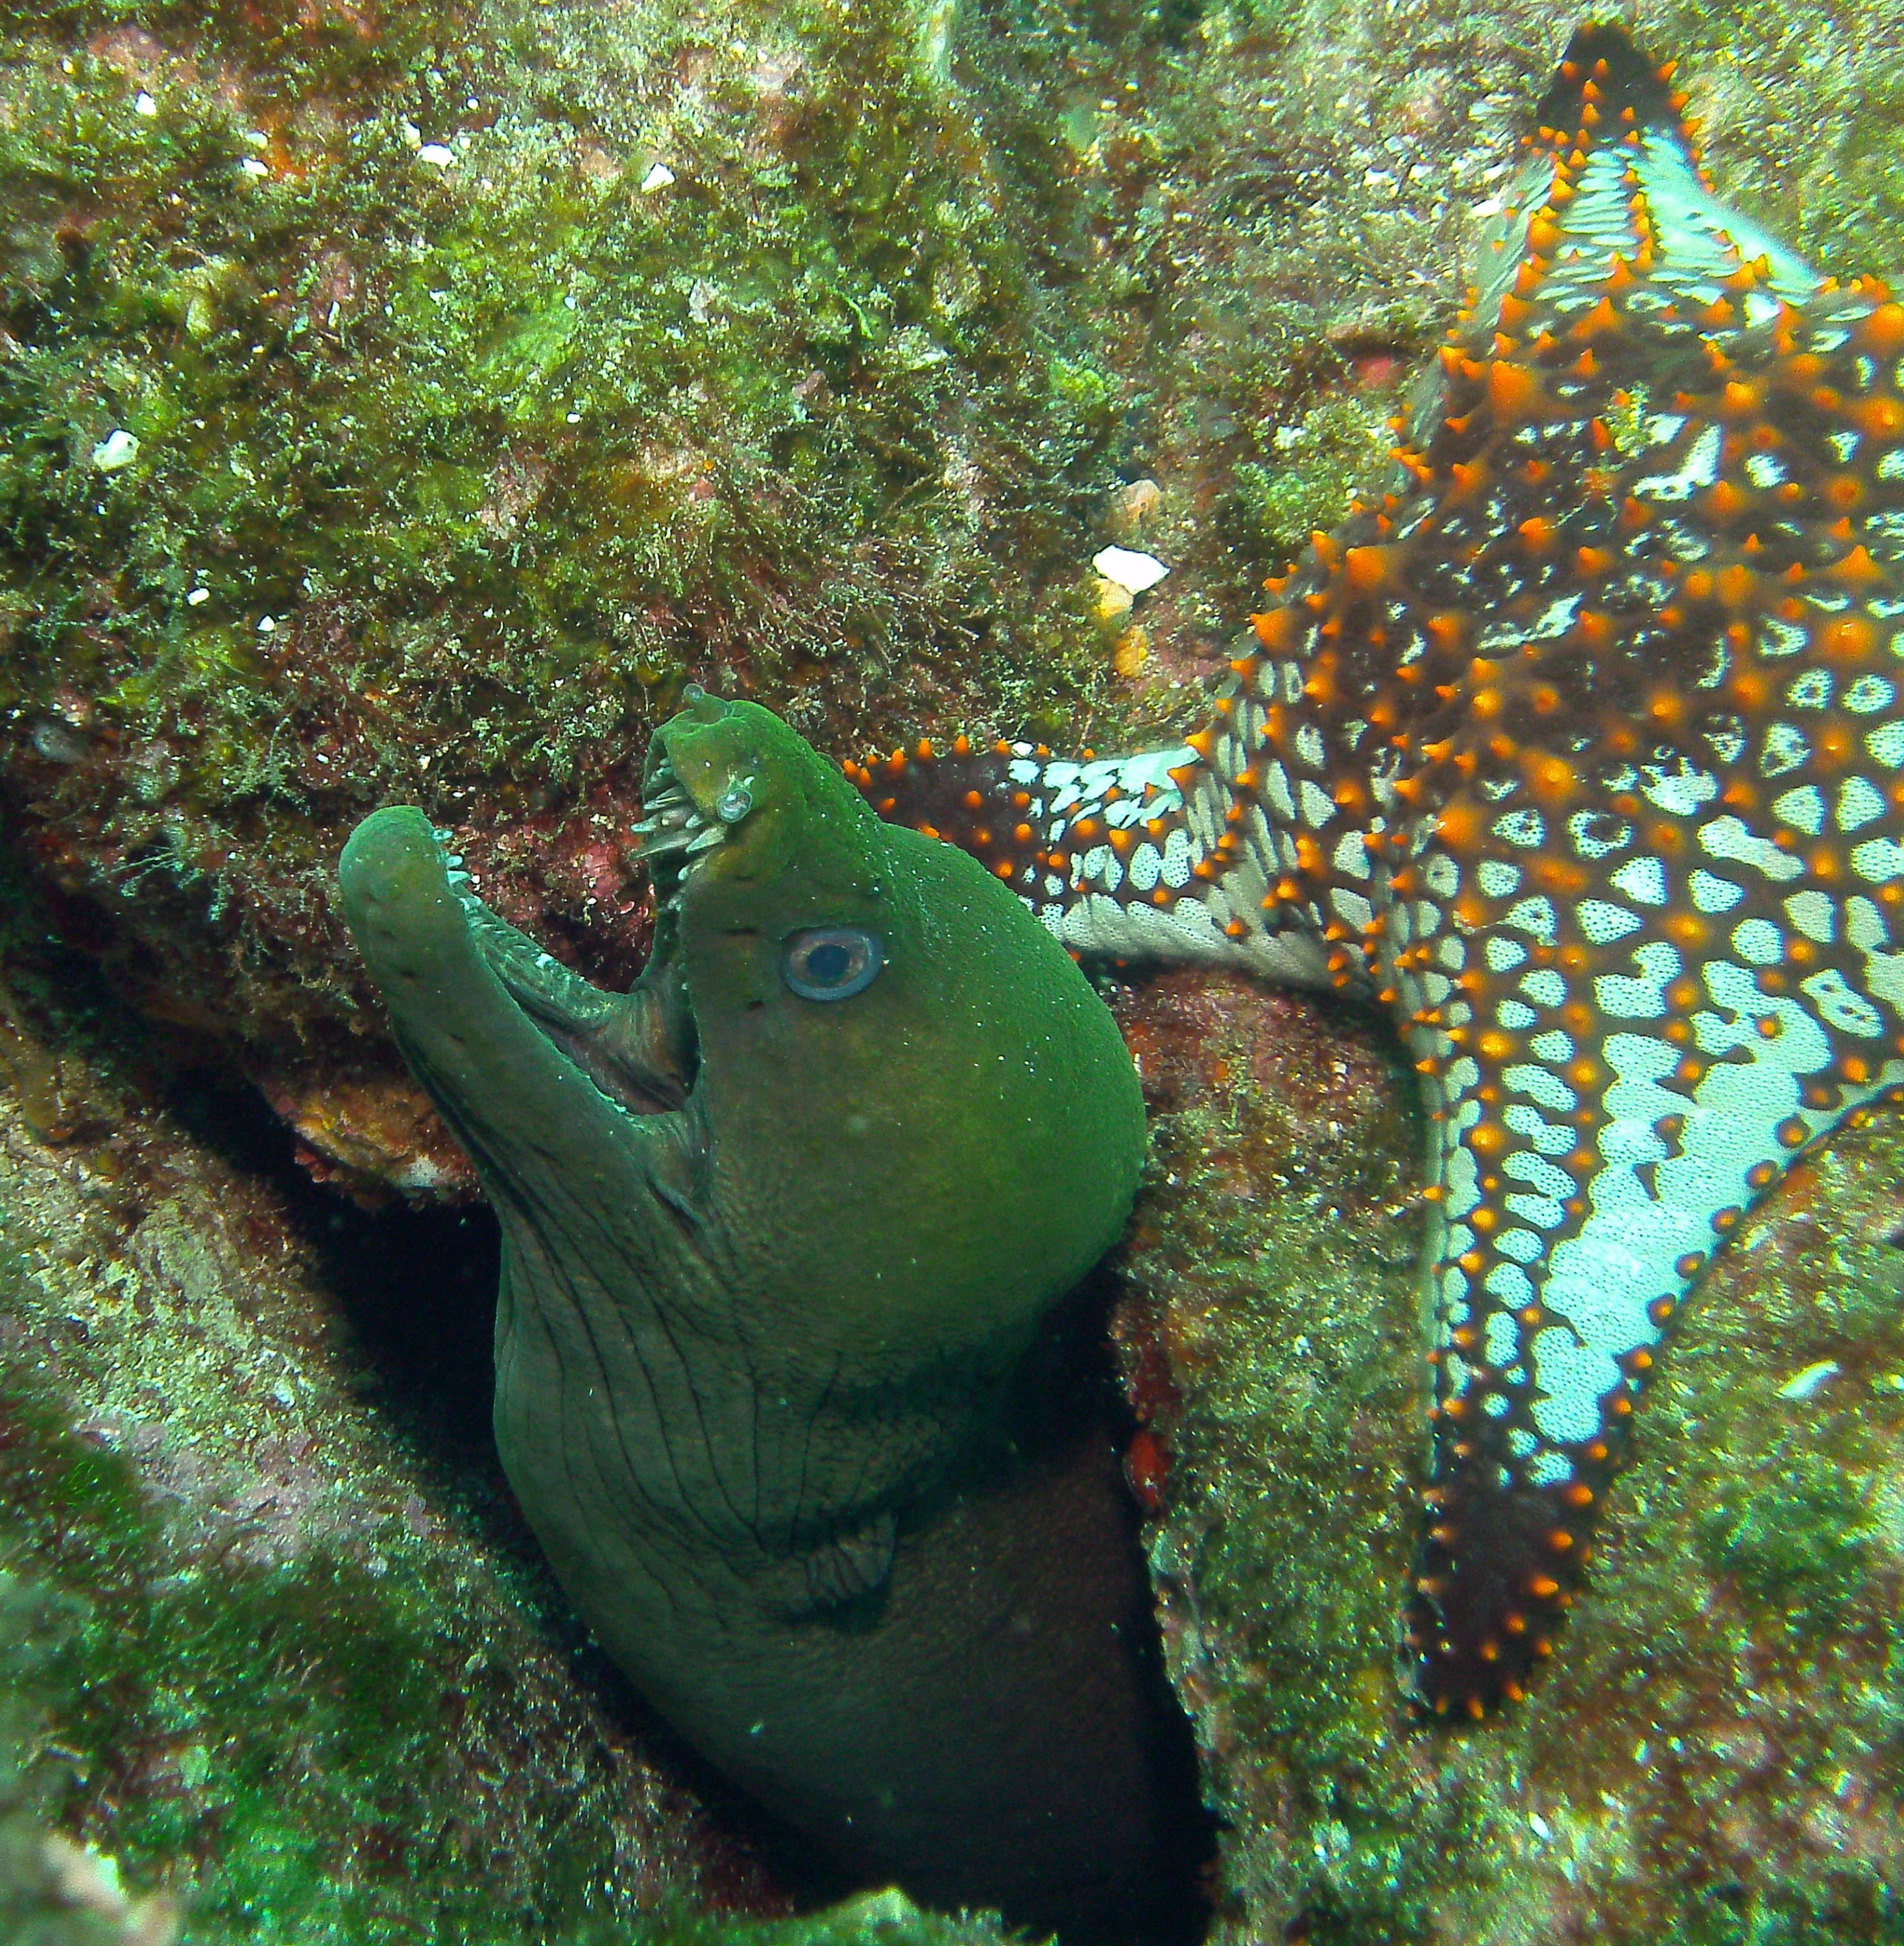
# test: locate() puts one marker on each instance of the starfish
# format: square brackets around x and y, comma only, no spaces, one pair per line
[1582,751]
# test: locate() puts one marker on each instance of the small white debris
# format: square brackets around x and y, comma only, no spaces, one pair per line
[198,597]
[143,104]
[1136,572]
[81,1880]
[1802,1384]
[251,166]
[659,176]
[1538,1825]
[436,155]
[267,625]
[412,135]
[117,450]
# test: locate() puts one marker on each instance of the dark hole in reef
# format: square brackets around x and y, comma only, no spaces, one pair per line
[419,1287]
[1067,1388]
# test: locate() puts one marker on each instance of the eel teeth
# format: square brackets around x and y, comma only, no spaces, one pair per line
[690,837]
[665,845]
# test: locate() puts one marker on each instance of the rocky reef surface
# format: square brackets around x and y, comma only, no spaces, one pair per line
[403,404]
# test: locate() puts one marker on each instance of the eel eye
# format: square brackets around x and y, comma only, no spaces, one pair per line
[831,963]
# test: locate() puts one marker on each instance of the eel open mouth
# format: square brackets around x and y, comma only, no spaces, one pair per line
[429,940]
[639,1050]
[674,834]
[462,984]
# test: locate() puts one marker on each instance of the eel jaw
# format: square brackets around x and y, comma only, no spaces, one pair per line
[429,941]
[677,832]
[639,1050]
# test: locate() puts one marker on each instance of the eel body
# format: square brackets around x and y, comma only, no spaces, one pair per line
[1581,751]
[781,1227]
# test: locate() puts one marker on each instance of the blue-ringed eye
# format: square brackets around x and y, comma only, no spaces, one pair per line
[831,963]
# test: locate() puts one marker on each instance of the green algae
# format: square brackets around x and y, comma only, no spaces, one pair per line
[1312,469]
[1798,1545]
[413,426]
[285,1722]
[492,383]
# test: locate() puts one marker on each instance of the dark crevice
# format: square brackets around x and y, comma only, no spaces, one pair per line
[1069,1387]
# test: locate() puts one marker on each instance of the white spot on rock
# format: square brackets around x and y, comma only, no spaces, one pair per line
[117,450]
[1807,1380]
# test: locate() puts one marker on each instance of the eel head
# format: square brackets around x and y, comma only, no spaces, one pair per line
[793,1209]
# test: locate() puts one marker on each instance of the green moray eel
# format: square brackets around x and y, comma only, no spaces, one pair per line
[782,1229]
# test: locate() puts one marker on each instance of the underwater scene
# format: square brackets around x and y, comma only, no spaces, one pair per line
[951,972]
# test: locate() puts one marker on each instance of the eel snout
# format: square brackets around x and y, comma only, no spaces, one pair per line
[397,895]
